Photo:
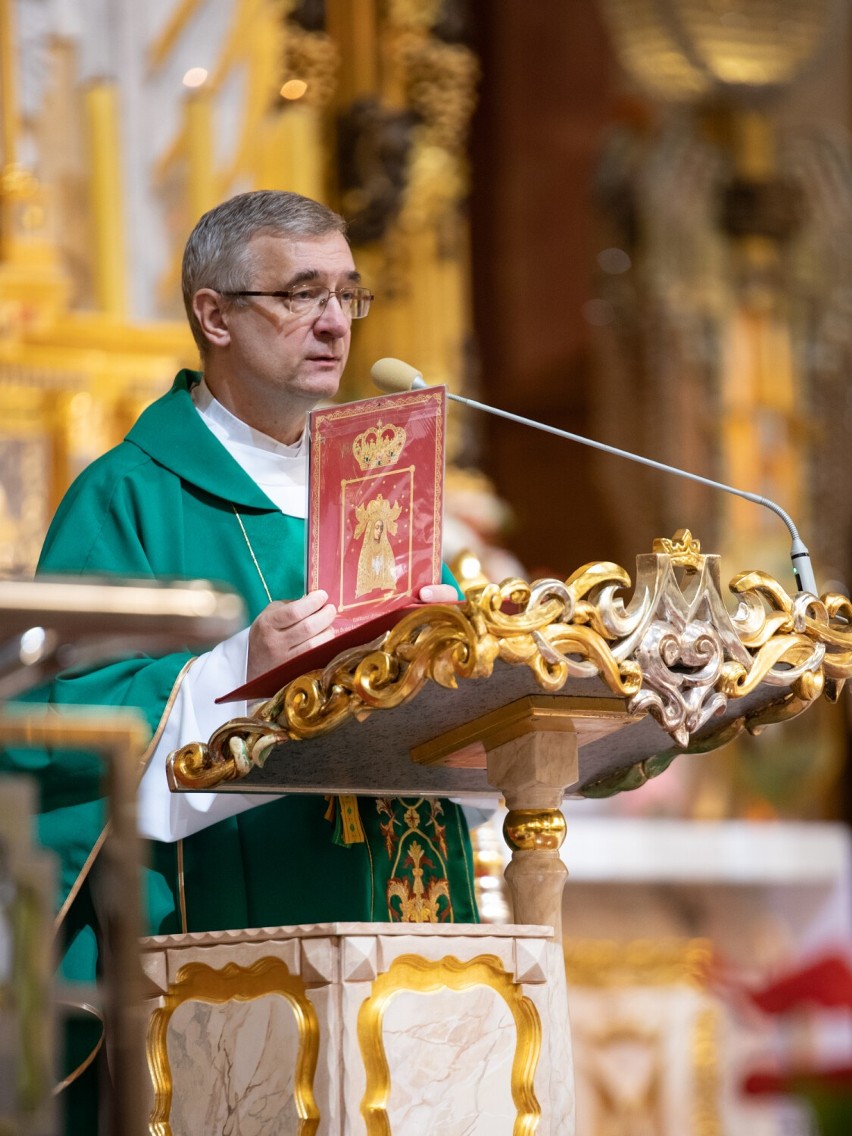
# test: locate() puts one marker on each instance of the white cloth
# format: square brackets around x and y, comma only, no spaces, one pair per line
[281,472]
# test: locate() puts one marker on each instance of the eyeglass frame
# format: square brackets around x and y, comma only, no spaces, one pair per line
[287,294]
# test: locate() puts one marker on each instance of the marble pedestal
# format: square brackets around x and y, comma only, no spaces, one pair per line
[356,1029]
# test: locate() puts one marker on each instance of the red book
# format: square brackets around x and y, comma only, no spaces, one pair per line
[375,504]
[375,512]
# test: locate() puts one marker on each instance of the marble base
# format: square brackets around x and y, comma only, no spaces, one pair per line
[359,1029]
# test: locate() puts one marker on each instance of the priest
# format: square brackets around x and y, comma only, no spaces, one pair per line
[210,482]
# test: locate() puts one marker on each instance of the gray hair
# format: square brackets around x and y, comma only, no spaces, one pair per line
[217,253]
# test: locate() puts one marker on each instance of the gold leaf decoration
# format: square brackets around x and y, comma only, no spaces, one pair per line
[671,648]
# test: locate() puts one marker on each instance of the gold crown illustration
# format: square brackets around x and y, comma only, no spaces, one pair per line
[379,446]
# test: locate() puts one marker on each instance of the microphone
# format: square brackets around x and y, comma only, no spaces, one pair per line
[392,375]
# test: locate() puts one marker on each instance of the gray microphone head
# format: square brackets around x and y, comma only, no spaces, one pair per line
[393,375]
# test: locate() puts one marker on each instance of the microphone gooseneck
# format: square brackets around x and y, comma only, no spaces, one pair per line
[392,375]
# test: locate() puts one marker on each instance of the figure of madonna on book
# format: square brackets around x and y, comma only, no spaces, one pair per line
[376,521]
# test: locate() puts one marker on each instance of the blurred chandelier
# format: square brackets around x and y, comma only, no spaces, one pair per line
[692,50]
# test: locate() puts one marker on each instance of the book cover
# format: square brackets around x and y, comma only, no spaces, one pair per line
[375,502]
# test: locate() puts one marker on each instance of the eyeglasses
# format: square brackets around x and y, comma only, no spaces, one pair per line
[354,302]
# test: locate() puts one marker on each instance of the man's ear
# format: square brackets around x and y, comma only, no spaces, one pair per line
[212,316]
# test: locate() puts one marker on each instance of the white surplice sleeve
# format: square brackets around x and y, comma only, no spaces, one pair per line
[167,816]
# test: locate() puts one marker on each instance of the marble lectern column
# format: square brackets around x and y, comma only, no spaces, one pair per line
[533,772]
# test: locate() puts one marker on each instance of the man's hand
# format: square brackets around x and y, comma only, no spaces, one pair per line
[284,629]
[438,593]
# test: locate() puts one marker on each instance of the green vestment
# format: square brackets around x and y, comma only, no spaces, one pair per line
[162,505]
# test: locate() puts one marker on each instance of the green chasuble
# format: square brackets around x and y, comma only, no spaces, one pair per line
[163,504]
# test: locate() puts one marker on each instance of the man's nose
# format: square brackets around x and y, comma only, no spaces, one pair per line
[332,320]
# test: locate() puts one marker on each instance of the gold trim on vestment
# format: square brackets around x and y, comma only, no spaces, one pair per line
[184,923]
[372,880]
[86,1008]
[74,890]
[418,879]
[148,753]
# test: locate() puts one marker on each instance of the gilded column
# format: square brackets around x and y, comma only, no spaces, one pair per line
[355,26]
[201,188]
[758,380]
[107,199]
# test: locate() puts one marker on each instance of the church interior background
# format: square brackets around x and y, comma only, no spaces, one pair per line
[631,219]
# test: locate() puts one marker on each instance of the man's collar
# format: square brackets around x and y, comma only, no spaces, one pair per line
[230,429]
[171,432]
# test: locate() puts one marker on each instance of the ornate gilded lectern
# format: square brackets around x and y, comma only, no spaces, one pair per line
[525,692]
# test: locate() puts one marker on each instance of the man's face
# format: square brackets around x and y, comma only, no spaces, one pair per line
[276,359]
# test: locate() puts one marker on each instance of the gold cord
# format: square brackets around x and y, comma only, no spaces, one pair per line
[251,552]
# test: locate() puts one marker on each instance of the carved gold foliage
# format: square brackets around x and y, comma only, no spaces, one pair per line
[233,750]
[671,649]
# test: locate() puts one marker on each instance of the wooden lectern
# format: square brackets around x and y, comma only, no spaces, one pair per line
[524,692]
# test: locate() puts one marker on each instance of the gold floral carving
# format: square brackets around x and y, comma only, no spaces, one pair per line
[412,973]
[671,650]
[199,982]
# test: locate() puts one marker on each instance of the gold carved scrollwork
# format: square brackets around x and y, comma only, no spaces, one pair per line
[412,973]
[198,982]
[233,750]
[671,649]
